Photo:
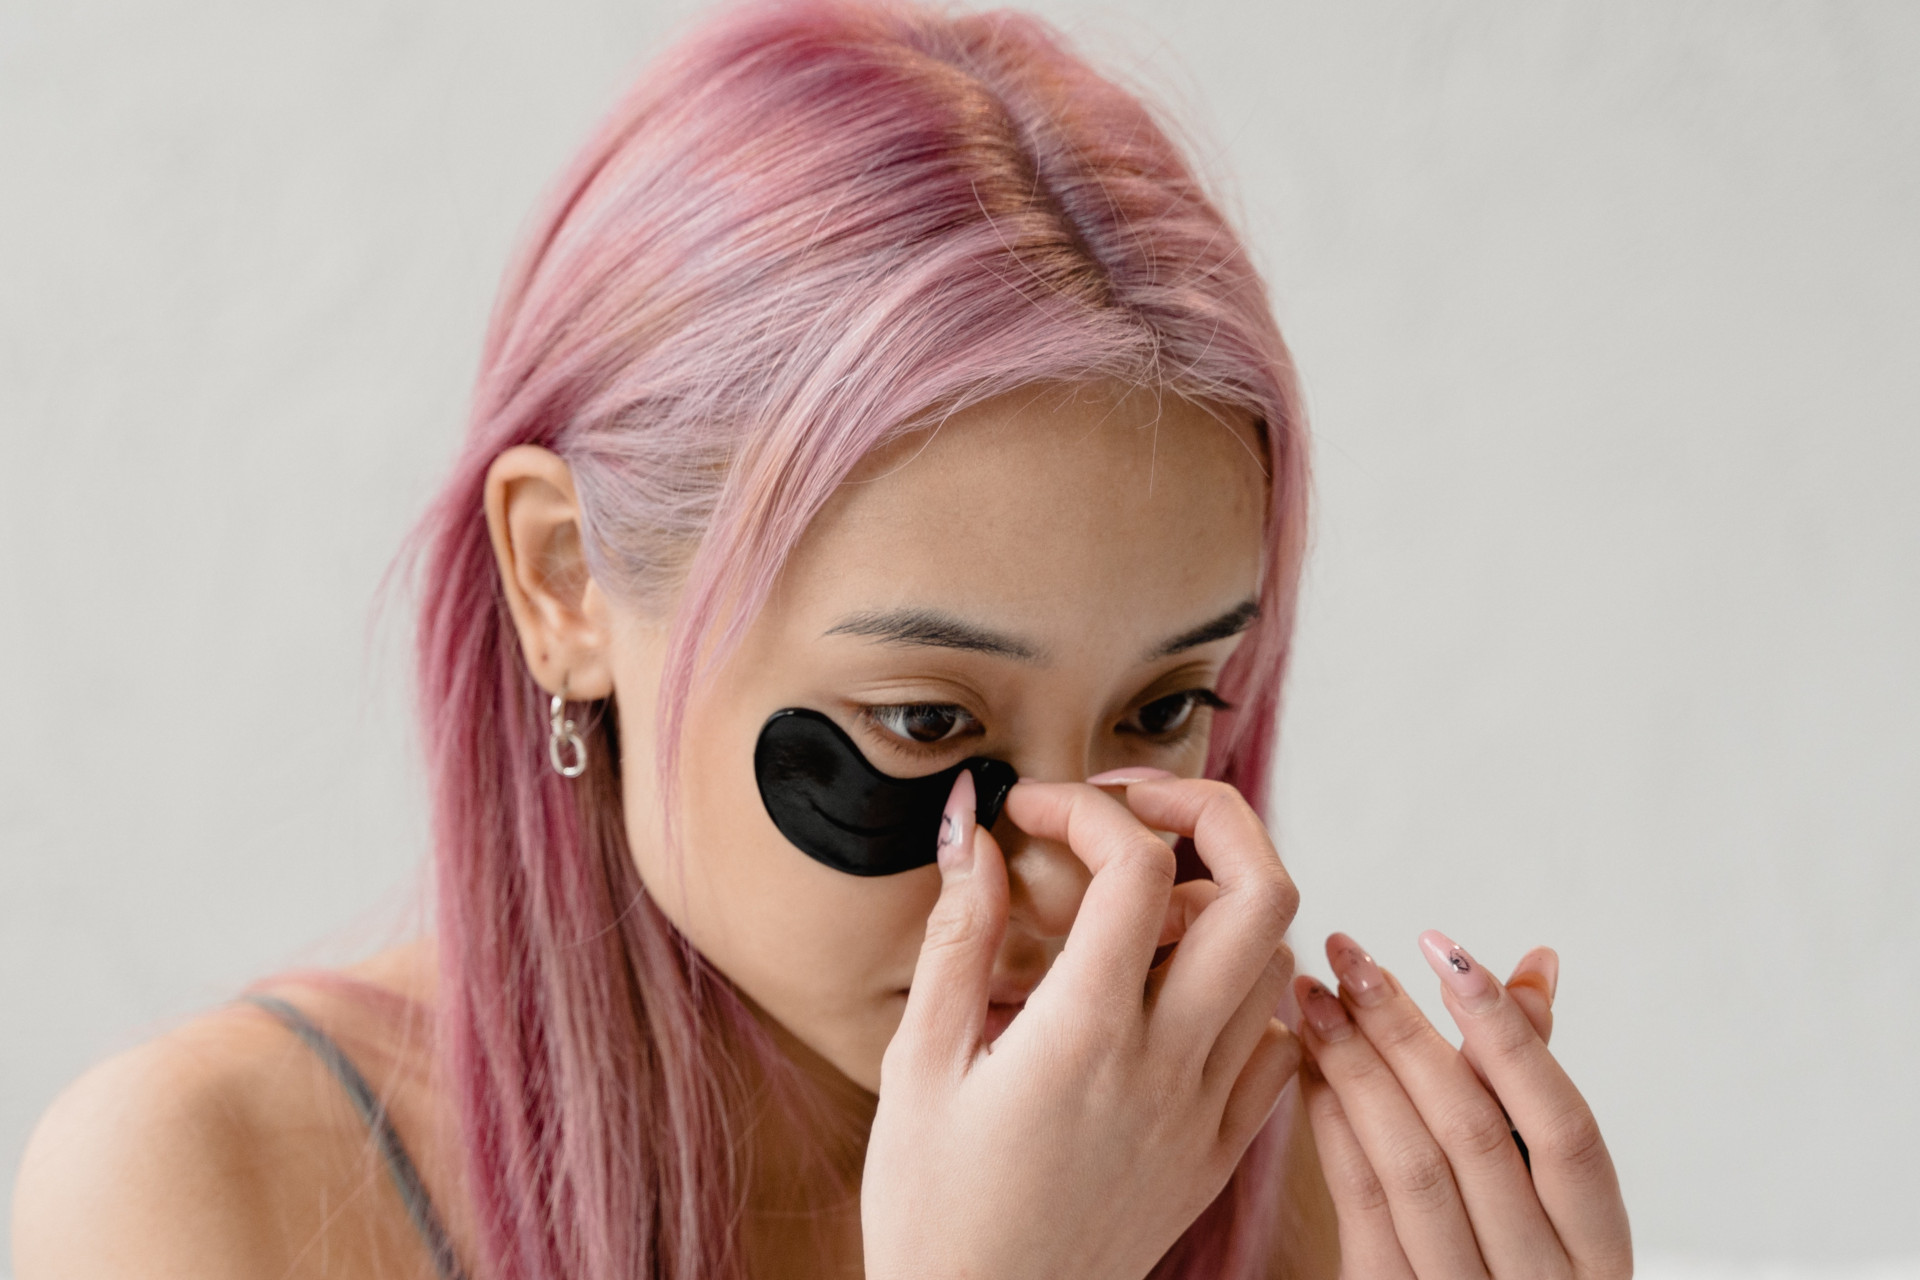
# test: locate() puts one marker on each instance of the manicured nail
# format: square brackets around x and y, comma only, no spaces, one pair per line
[1325,1014]
[1132,773]
[1470,984]
[1550,967]
[1361,978]
[955,850]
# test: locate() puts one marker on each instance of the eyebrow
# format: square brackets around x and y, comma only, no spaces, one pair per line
[935,629]
[1230,623]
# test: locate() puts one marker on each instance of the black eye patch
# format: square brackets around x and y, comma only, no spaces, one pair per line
[838,809]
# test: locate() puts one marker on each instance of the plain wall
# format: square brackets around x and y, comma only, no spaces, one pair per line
[1607,316]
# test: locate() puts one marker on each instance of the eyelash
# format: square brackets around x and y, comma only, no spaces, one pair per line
[877,715]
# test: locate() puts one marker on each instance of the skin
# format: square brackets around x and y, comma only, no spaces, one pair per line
[1423,1171]
[1068,1107]
[1149,512]
[1068,478]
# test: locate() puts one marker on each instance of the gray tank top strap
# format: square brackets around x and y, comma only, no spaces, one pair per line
[406,1179]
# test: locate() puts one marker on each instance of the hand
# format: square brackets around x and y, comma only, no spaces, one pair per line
[1426,1178]
[1114,1107]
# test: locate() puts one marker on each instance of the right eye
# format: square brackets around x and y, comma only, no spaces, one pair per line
[923,723]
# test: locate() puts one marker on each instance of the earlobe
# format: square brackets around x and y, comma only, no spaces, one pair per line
[559,612]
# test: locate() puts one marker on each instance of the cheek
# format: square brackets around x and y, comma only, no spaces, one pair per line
[823,952]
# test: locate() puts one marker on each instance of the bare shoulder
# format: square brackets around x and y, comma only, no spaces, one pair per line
[221,1148]
[149,1164]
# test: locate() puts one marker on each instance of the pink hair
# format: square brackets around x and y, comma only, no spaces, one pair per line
[807,228]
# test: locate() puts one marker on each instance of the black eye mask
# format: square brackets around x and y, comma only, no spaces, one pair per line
[838,809]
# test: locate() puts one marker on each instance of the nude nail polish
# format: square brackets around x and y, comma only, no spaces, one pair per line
[1550,967]
[1471,985]
[1131,773]
[1325,1014]
[1359,976]
[955,849]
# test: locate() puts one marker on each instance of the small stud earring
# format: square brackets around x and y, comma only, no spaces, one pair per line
[565,751]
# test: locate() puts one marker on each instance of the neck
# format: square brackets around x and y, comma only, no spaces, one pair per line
[804,1143]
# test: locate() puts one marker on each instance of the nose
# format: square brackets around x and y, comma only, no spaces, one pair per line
[1045,881]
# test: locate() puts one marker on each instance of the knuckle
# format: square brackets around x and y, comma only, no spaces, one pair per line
[1572,1142]
[1271,901]
[956,922]
[1289,897]
[1473,1130]
[1222,801]
[1366,1072]
[1148,857]
[1418,1173]
[1281,965]
[1510,1035]
[1287,891]
[1355,1184]
[1402,1028]
[1218,792]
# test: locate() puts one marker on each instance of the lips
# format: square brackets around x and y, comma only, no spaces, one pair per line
[1010,991]
[1006,997]
[999,1017]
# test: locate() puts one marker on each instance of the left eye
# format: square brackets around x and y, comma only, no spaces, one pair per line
[1170,714]
[923,722]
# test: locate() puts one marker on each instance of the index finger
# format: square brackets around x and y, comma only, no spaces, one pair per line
[1111,943]
[1226,948]
[1572,1171]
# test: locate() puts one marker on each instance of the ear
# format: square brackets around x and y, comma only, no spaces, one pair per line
[533,515]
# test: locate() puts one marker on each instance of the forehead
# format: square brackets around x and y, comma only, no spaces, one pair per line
[1042,510]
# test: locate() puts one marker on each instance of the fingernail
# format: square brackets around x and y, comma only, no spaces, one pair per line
[1359,975]
[1132,773]
[1325,1014]
[955,849]
[1470,984]
[1550,967]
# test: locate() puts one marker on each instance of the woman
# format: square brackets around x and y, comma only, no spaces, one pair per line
[879,412]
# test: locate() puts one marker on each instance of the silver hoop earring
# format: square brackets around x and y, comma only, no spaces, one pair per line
[565,751]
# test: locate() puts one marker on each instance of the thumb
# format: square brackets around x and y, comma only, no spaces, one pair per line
[1532,986]
[947,1002]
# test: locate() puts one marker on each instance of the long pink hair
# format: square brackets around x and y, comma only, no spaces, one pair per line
[808,227]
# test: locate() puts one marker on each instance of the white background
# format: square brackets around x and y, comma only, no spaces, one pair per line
[1607,314]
